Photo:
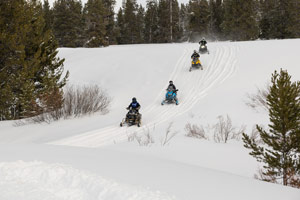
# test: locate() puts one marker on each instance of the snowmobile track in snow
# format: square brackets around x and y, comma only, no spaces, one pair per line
[193,86]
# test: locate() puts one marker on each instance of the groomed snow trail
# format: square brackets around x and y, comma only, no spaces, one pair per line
[37,180]
[193,86]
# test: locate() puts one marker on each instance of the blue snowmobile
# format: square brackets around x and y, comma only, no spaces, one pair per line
[170,97]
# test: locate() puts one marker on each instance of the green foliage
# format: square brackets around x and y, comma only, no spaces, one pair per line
[199,17]
[29,68]
[120,29]
[140,25]
[240,20]
[110,20]
[216,18]
[281,153]
[151,22]
[96,22]
[130,22]
[280,19]
[168,21]
[48,15]
[68,23]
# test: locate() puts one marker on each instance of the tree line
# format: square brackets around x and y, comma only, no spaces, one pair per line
[162,21]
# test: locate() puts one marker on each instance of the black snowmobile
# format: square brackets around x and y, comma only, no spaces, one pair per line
[203,49]
[133,117]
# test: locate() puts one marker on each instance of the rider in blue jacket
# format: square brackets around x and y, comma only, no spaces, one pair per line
[134,105]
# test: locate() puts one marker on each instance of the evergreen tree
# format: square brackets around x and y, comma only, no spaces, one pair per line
[110,20]
[120,28]
[216,18]
[151,22]
[29,67]
[168,21]
[48,15]
[130,23]
[268,20]
[95,21]
[280,19]
[140,25]
[68,24]
[293,24]
[282,142]
[240,20]
[184,21]
[199,18]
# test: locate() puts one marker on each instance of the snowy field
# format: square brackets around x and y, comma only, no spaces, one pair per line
[91,158]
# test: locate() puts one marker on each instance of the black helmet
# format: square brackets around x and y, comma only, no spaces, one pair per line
[171,82]
[134,99]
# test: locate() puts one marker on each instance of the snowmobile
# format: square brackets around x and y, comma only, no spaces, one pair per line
[170,97]
[196,63]
[133,117]
[203,49]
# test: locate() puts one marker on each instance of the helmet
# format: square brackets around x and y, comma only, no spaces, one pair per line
[134,99]
[171,82]
[195,51]
[203,38]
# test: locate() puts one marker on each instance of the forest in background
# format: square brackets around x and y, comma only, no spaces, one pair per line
[96,24]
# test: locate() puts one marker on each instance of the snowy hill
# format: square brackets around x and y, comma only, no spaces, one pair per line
[90,158]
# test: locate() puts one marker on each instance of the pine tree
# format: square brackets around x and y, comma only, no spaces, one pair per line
[293,25]
[120,28]
[68,24]
[151,22]
[240,20]
[199,18]
[216,18]
[110,20]
[130,23]
[184,21]
[95,21]
[282,142]
[29,67]
[48,15]
[168,21]
[267,23]
[140,25]
[280,19]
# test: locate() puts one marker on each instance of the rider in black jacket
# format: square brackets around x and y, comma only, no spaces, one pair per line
[195,54]
[171,86]
[203,42]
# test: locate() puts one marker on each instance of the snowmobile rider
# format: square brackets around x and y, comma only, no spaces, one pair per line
[134,105]
[195,55]
[172,87]
[203,42]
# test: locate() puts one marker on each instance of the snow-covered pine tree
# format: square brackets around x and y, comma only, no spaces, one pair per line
[280,154]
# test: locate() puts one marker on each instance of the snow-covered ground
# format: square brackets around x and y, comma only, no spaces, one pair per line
[91,158]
